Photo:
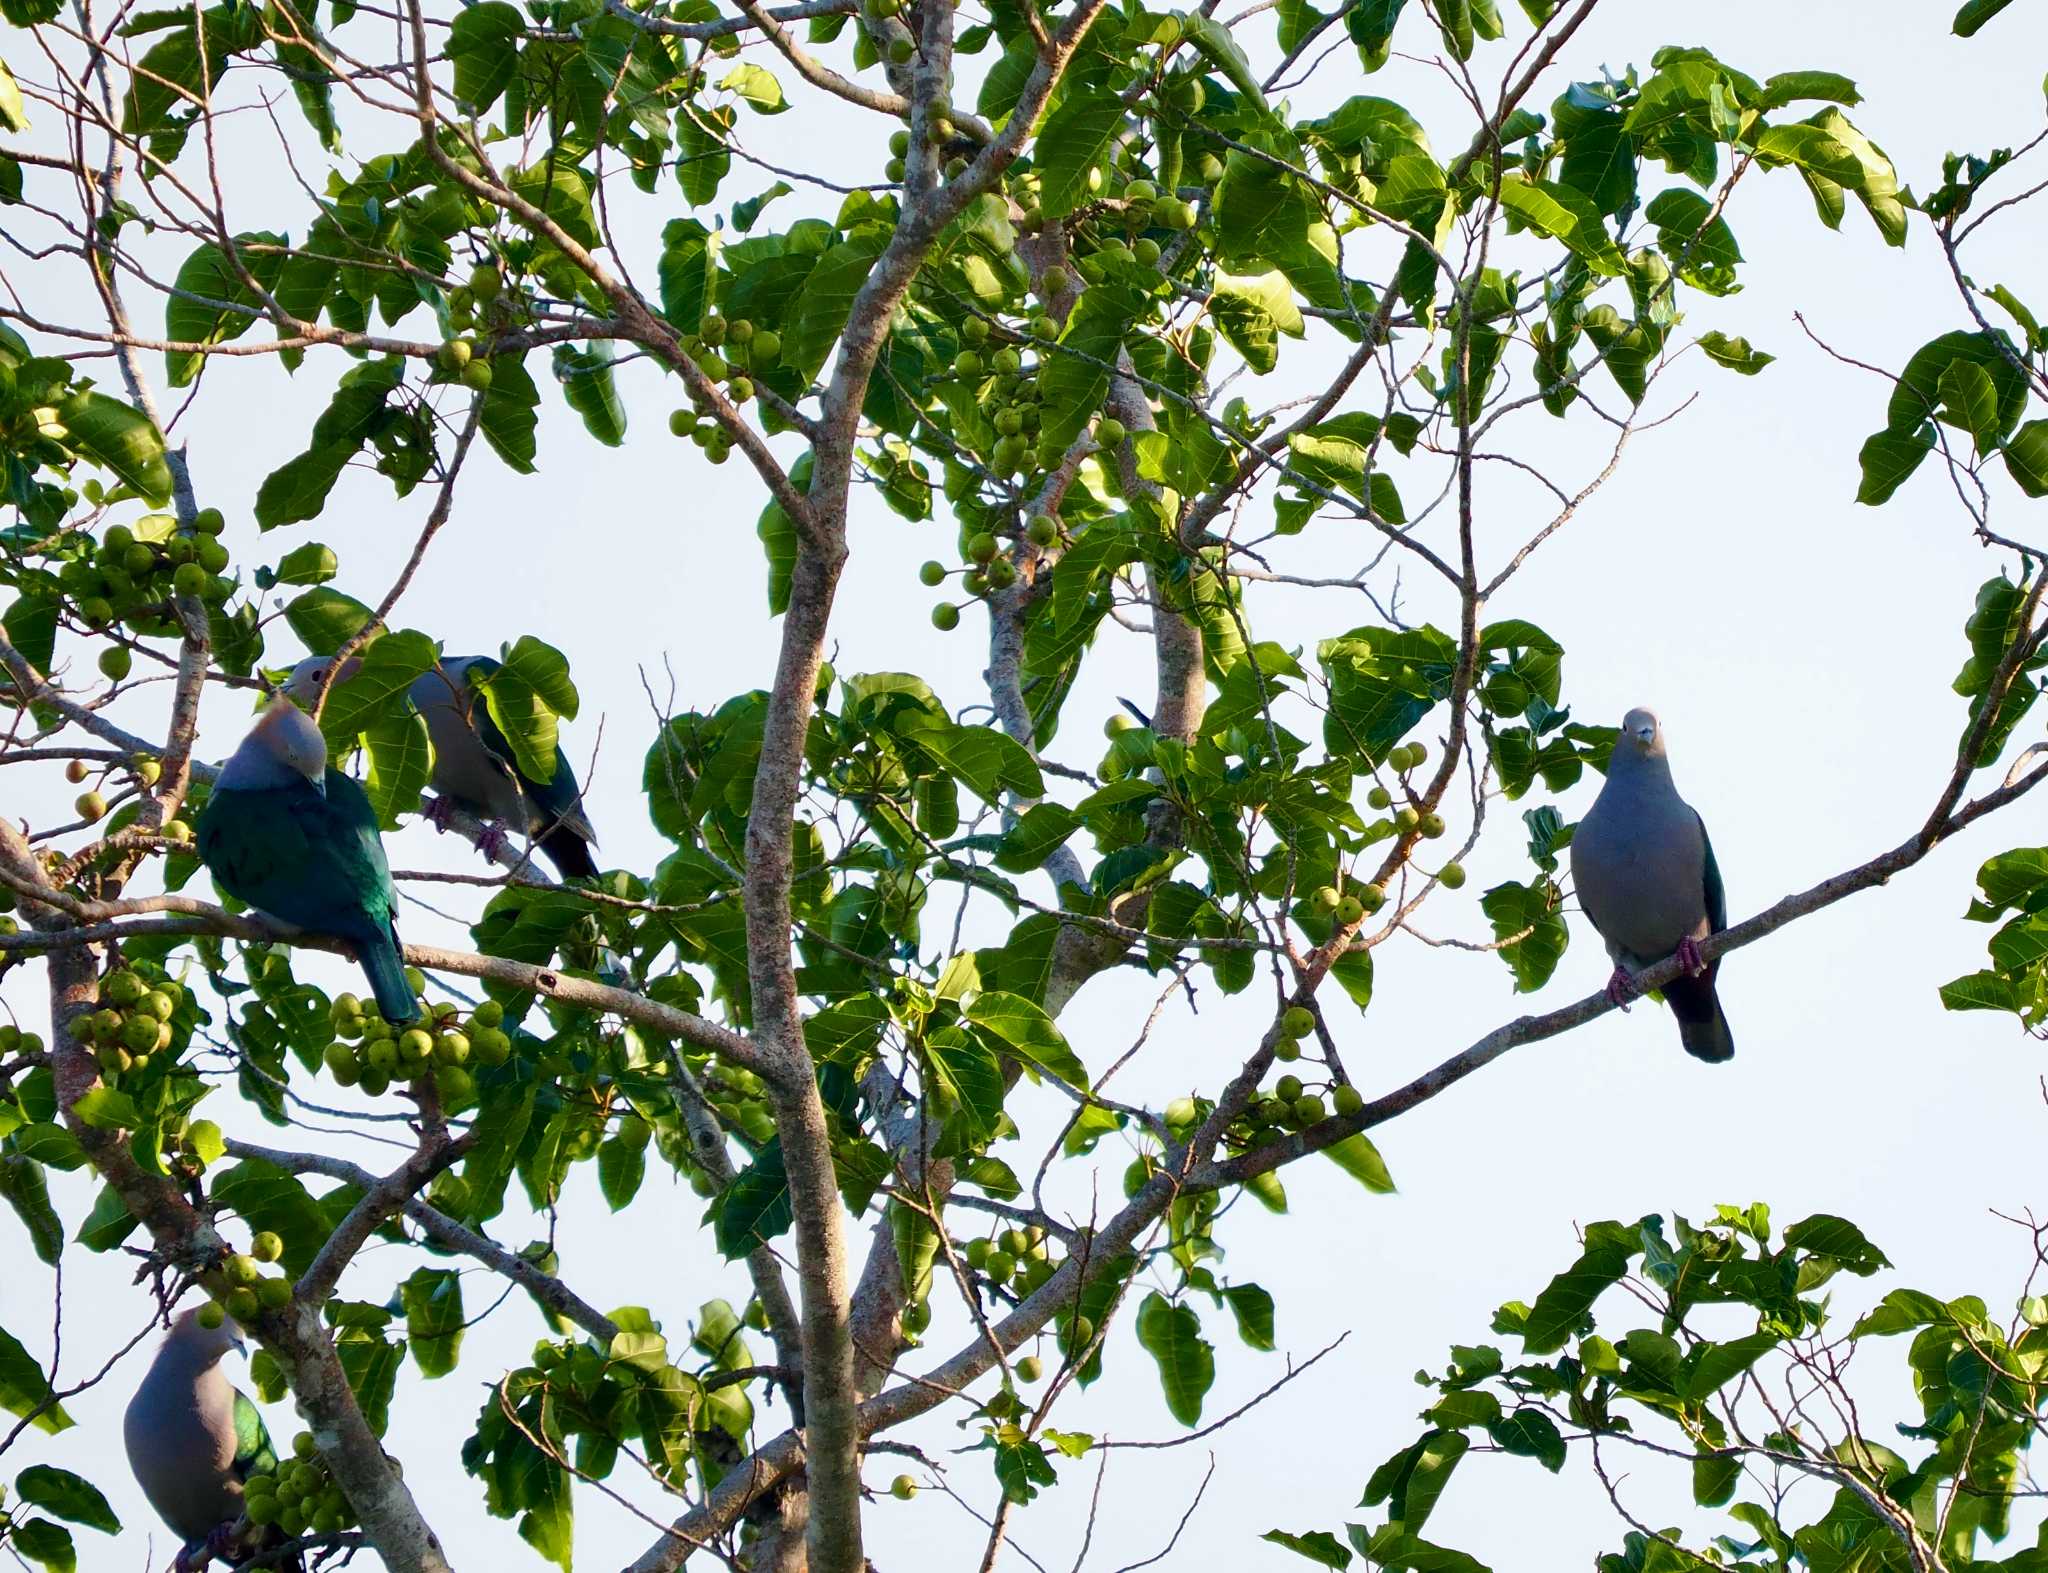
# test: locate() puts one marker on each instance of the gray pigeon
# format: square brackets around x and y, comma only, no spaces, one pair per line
[1645,874]
[474,767]
[192,1439]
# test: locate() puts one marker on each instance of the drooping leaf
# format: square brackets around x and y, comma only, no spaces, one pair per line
[68,1496]
[1172,1335]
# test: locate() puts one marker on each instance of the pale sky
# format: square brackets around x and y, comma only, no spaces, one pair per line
[1798,647]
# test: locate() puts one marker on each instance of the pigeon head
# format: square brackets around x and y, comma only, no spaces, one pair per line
[283,747]
[309,674]
[1642,735]
[202,1345]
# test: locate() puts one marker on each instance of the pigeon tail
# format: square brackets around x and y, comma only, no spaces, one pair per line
[385,968]
[569,853]
[1702,1028]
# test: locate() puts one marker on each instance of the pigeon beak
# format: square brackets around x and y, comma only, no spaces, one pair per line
[318,783]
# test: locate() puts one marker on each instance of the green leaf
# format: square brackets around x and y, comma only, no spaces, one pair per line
[108,1224]
[1357,1157]
[527,696]
[483,44]
[1975,13]
[1564,1303]
[587,383]
[1530,1433]
[758,87]
[1031,840]
[1252,312]
[1076,379]
[1917,397]
[1382,683]
[562,191]
[401,755]
[511,412]
[1888,460]
[118,438]
[297,490]
[313,563]
[1790,86]
[325,619]
[820,312]
[68,1496]
[2026,458]
[1813,151]
[1715,1477]
[1414,192]
[41,1540]
[744,214]
[1172,1335]
[1075,139]
[1878,189]
[1970,402]
[213,303]
[1028,1033]
[2020,313]
[13,112]
[1599,155]
[27,1191]
[1371,25]
[1901,1311]
[1318,1545]
[434,1322]
[1696,239]
[983,760]
[1712,1366]
[756,1206]
[388,667]
[1567,214]
[1214,40]
[1980,991]
[548,1525]
[23,1386]
[1253,1308]
[1734,353]
[1826,1235]
[703,155]
[1528,922]
[621,1165]
[689,264]
[1412,1480]
[107,1109]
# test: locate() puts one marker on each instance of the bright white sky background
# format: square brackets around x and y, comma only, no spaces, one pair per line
[1799,648]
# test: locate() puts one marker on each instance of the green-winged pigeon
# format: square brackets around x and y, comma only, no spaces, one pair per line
[297,839]
[475,768]
[1645,874]
[193,1439]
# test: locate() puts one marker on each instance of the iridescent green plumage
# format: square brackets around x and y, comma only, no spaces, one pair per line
[300,841]
[254,1454]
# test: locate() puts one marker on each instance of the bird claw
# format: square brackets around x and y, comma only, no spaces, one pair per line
[1689,958]
[1621,988]
[440,814]
[219,1544]
[492,841]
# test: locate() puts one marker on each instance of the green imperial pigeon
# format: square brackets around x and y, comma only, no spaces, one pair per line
[298,840]
[1645,874]
[192,1440]
[475,768]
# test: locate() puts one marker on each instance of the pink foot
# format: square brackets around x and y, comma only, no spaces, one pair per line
[492,841]
[1621,988]
[440,814]
[1688,954]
